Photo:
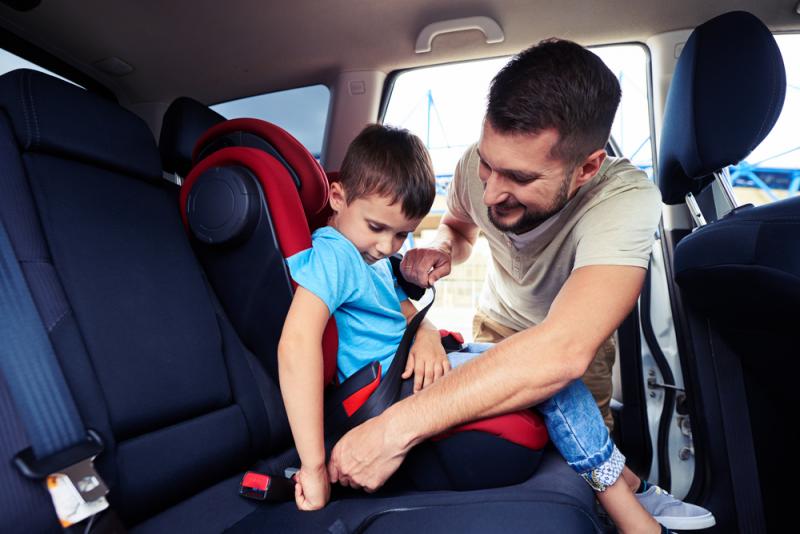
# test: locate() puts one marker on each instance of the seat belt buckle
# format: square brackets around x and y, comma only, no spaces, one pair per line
[263,487]
[451,341]
[77,490]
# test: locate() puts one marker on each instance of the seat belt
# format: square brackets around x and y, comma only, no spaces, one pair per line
[389,388]
[62,450]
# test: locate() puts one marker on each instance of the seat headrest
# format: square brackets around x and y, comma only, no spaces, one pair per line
[184,122]
[714,118]
[51,116]
[306,172]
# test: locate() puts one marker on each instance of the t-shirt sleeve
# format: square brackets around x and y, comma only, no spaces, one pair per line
[619,230]
[329,270]
[398,289]
[458,203]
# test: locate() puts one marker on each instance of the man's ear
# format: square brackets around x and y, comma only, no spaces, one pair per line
[338,198]
[588,169]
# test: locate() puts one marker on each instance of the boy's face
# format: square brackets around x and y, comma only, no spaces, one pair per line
[375,225]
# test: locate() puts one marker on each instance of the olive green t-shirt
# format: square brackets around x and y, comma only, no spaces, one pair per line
[611,220]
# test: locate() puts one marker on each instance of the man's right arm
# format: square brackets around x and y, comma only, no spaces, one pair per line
[452,245]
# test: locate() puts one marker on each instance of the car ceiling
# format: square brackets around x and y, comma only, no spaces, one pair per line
[216,51]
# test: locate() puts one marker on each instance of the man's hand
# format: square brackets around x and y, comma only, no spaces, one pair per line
[427,360]
[367,455]
[424,266]
[312,490]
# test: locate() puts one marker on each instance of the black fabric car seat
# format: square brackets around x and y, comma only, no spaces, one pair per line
[739,270]
[149,356]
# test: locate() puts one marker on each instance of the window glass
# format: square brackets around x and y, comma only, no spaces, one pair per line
[772,171]
[631,129]
[303,112]
[444,105]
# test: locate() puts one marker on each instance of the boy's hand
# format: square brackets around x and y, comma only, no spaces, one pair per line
[427,360]
[313,489]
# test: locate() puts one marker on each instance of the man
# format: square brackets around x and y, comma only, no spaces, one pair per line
[570,232]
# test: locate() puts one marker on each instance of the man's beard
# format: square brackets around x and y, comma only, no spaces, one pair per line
[531,218]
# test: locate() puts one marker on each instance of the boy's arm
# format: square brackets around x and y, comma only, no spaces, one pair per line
[427,360]
[300,367]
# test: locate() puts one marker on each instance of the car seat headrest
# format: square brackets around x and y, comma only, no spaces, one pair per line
[306,172]
[184,122]
[54,117]
[713,118]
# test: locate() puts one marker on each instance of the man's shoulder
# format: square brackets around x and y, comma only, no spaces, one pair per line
[462,190]
[468,164]
[621,170]
[622,191]
[621,177]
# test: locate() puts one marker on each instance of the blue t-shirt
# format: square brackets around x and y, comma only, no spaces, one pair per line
[364,299]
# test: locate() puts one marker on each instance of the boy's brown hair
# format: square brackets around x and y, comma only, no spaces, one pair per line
[390,162]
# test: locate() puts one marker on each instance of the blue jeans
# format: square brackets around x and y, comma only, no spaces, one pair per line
[575,426]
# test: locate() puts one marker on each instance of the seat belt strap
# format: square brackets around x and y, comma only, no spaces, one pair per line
[29,364]
[62,450]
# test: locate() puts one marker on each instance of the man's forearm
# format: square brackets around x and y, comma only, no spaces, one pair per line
[453,242]
[530,366]
[519,372]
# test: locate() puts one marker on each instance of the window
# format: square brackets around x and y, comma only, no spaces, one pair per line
[303,112]
[772,171]
[9,62]
[631,129]
[444,105]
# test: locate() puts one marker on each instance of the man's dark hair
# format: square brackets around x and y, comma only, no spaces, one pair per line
[561,85]
[390,162]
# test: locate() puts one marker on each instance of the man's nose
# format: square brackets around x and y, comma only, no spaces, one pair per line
[494,190]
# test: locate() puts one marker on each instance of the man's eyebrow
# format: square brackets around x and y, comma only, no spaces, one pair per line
[519,176]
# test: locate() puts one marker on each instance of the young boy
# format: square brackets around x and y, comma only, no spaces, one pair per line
[386,187]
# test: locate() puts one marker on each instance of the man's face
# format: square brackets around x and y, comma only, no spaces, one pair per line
[523,185]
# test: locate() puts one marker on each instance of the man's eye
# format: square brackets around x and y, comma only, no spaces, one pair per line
[374,228]
[402,235]
[522,179]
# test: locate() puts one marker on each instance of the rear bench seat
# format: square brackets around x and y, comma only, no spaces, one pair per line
[154,366]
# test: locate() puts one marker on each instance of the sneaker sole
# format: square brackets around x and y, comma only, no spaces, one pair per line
[688,523]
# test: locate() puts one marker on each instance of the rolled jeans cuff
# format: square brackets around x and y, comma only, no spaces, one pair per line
[607,473]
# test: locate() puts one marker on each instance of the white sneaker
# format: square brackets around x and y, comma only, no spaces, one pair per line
[673,513]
